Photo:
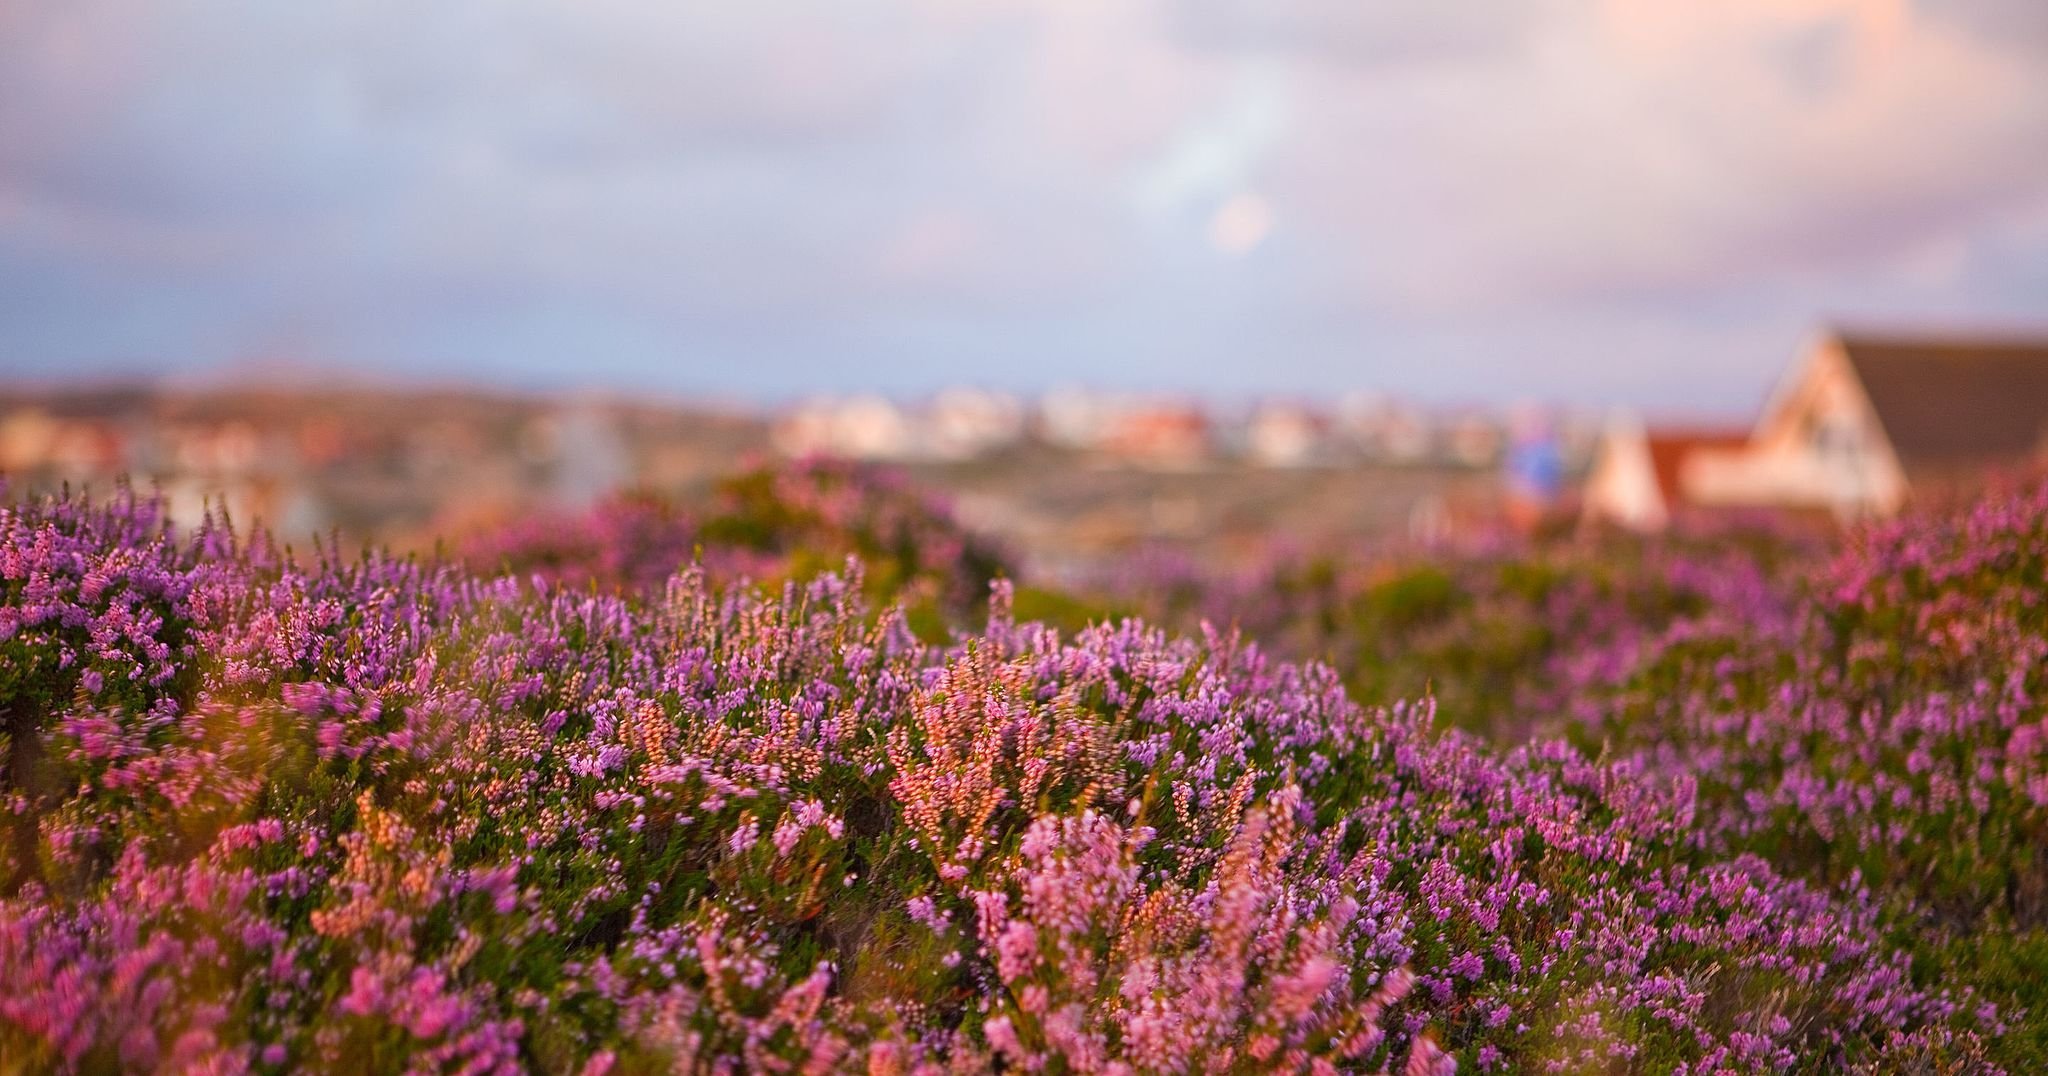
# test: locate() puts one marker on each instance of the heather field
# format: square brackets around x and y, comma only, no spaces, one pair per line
[804,778]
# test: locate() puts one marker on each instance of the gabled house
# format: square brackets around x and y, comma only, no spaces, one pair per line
[1864,421]
[1641,478]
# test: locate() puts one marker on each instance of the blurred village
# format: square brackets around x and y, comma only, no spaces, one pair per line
[1858,427]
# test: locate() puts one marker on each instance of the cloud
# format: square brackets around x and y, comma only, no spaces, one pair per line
[898,184]
[1683,145]
[1218,149]
[1388,33]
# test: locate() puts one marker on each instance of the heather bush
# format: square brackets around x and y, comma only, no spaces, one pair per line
[1893,737]
[397,815]
[1509,637]
[765,524]
[1867,713]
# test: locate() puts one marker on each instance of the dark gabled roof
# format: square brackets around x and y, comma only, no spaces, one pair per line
[1953,402]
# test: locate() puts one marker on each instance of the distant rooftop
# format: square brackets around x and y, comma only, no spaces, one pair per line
[1670,448]
[1951,401]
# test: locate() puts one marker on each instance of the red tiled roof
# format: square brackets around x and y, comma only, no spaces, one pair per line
[1669,449]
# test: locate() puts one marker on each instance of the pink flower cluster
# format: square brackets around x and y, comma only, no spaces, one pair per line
[394,815]
[767,524]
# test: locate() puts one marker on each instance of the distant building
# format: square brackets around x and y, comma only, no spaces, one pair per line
[1159,436]
[963,423]
[1286,435]
[34,442]
[1379,428]
[1865,421]
[1473,440]
[957,424]
[1641,479]
[1074,417]
[1404,436]
[867,427]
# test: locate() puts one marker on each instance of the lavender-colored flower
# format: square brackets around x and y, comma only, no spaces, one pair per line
[395,813]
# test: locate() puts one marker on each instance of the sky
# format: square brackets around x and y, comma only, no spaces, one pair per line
[1642,202]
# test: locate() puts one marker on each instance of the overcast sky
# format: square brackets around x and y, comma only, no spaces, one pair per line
[1643,201]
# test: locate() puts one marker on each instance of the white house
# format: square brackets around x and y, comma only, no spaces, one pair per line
[1641,479]
[1865,420]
